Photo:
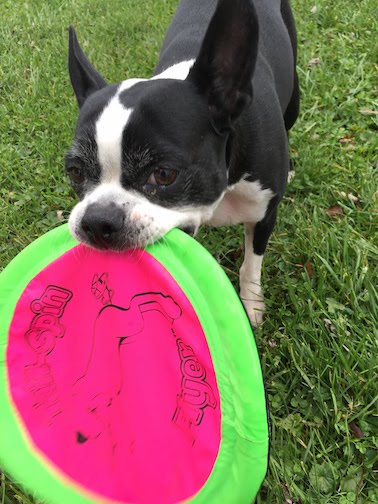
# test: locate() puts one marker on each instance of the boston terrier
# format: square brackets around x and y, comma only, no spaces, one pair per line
[204,140]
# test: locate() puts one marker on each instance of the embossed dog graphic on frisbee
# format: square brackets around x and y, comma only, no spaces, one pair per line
[108,341]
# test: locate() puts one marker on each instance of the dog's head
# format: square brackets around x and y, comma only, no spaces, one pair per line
[150,155]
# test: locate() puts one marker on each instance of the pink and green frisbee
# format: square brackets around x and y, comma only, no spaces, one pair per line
[128,377]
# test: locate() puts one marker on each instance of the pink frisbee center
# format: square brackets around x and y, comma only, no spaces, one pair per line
[112,377]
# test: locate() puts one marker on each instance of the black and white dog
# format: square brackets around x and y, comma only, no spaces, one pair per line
[203,141]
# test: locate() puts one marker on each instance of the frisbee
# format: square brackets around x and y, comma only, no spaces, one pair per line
[128,377]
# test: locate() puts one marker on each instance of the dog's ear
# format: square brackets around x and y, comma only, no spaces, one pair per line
[224,67]
[84,78]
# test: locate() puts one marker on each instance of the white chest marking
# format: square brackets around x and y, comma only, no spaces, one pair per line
[244,202]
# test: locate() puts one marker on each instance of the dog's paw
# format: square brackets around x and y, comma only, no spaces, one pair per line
[252,297]
[255,309]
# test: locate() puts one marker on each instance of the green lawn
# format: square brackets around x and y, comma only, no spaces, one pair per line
[318,344]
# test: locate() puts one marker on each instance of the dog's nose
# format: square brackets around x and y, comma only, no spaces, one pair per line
[101,223]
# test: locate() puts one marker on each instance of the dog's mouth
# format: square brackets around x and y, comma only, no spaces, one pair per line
[118,226]
[117,242]
[120,242]
[123,239]
[109,227]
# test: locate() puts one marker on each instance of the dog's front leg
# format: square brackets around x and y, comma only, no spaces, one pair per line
[256,240]
[250,279]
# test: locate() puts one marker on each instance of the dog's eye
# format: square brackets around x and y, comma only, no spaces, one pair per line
[162,177]
[76,175]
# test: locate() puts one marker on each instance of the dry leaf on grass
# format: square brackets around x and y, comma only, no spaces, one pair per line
[356,430]
[350,196]
[368,111]
[313,62]
[335,211]
[285,490]
[348,139]
[330,326]
[309,269]
[272,343]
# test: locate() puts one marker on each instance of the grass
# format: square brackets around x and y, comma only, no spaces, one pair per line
[318,344]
